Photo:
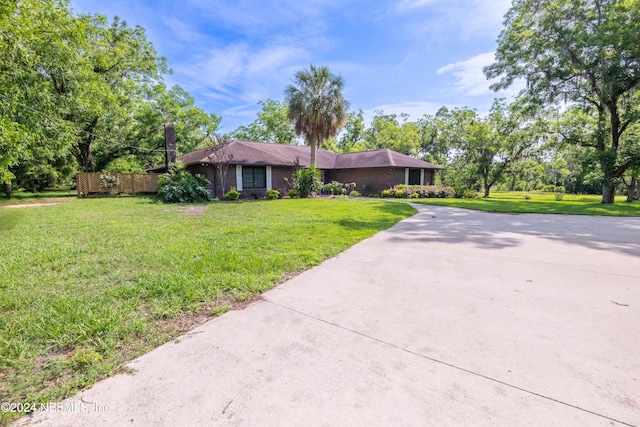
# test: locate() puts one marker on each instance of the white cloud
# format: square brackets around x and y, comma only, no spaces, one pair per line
[467,19]
[272,59]
[239,73]
[470,79]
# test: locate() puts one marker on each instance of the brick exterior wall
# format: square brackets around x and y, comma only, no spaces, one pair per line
[398,176]
[378,179]
[278,176]
[211,173]
[429,177]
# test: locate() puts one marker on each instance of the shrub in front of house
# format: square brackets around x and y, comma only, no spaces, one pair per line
[349,187]
[458,191]
[444,192]
[419,191]
[232,194]
[307,181]
[422,191]
[272,194]
[355,193]
[180,186]
[293,193]
[334,188]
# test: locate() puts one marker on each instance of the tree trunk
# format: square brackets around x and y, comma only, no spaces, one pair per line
[7,190]
[608,192]
[631,191]
[485,177]
[84,156]
[314,147]
[82,149]
[607,164]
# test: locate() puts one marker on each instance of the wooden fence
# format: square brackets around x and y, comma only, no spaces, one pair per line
[116,183]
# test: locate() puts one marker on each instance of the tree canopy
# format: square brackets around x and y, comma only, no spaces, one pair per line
[584,52]
[81,87]
[316,105]
[271,125]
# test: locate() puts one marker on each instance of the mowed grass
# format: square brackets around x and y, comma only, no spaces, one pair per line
[543,203]
[87,285]
[25,196]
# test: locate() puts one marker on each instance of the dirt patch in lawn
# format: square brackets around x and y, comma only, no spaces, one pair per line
[193,210]
[34,203]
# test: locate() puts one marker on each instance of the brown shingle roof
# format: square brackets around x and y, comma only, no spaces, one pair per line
[380,159]
[261,153]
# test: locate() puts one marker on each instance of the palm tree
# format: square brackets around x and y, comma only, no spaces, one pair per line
[316,105]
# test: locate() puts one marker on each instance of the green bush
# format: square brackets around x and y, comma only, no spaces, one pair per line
[445,192]
[272,194]
[334,188]
[458,192]
[355,193]
[180,186]
[127,164]
[559,197]
[549,188]
[232,194]
[527,196]
[293,193]
[419,191]
[471,194]
[560,189]
[109,181]
[307,182]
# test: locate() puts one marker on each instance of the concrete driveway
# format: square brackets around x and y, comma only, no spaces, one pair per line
[449,317]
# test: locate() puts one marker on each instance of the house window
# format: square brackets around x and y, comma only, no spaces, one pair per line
[254,177]
[414,177]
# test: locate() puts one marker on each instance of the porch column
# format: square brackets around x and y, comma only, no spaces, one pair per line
[406,176]
[269,182]
[239,177]
[421,176]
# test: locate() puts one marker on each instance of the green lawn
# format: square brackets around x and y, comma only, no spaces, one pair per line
[545,203]
[20,195]
[87,285]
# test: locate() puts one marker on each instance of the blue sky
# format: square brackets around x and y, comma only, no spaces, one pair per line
[398,56]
